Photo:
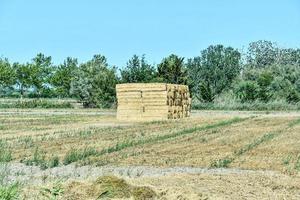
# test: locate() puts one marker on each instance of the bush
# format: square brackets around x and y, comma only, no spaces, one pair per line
[264,81]
[293,96]
[206,93]
[247,91]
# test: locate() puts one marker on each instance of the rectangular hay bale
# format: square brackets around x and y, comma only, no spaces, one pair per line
[152,101]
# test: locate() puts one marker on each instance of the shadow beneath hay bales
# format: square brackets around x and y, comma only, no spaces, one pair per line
[107,187]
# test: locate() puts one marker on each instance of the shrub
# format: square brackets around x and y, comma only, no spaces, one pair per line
[264,81]
[206,93]
[247,91]
[293,96]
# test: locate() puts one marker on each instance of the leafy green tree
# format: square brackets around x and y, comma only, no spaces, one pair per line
[23,77]
[262,53]
[7,75]
[286,82]
[288,56]
[63,76]
[172,70]
[277,81]
[41,70]
[213,71]
[94,83]
[288,72]
[137,71]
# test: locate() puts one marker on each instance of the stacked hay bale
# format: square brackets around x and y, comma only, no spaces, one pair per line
[152,101]
[178,101]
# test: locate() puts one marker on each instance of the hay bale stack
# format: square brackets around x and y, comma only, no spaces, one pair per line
[152,101]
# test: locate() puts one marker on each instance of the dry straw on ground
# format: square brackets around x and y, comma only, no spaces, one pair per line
[152,101]
[107,187]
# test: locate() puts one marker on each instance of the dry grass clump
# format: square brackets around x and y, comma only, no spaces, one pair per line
[107,187]
[143,192]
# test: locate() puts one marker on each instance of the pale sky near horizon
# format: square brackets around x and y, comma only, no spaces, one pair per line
[118,29]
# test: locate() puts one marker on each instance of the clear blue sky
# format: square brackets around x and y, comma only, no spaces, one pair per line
[120,28]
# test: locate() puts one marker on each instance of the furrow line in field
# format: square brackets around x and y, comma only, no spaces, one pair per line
[226,161]
[76,155]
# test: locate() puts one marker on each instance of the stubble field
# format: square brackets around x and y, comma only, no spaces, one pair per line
[211,155]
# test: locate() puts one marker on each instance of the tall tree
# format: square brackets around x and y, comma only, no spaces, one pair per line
[288,56]
[63,76]
[172,70]
[213,71]
[41,69]
[94,83]
[23,77]
[137,71]
[262,53]
[7,75]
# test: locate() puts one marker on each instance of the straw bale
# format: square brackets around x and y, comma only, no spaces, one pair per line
[152,101]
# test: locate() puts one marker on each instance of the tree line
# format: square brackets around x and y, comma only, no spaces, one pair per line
[264,73]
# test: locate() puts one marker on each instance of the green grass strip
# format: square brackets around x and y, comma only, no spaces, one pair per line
[128,144]
[225,162]
[255,143]
[297,164]
[294,123]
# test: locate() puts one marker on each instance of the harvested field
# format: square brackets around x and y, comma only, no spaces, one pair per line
[211,155]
